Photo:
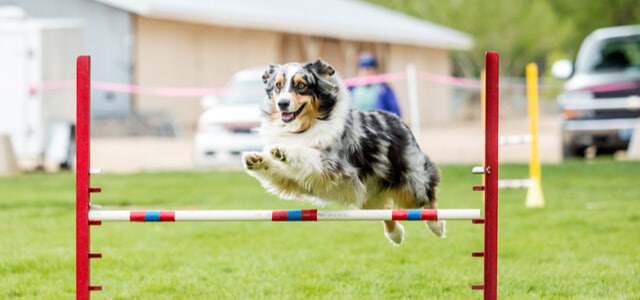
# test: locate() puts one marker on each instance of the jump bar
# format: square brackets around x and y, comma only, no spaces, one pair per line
[284,215]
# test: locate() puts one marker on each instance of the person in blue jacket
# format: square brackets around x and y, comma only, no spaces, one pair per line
[373,96]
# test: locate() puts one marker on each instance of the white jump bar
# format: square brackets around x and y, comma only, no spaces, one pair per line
[283,215]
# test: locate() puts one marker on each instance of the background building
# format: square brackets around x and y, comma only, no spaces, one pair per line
[197,43]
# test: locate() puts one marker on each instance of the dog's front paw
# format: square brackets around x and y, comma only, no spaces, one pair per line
[278,153]
[253,161]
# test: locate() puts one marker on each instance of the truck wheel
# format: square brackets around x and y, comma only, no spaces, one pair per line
[571,151]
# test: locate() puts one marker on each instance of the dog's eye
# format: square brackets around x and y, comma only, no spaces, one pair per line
[301,85]
[278,86]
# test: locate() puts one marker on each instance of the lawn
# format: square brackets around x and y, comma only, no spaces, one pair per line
[585,244]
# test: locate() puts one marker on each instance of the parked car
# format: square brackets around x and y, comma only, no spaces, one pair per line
[601,100]
[227,126]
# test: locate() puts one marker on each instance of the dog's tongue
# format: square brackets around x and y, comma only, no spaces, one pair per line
[287,116]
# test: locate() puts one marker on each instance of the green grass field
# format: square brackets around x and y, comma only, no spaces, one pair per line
[584,245]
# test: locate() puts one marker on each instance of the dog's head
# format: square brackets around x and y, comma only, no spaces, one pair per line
[300,94]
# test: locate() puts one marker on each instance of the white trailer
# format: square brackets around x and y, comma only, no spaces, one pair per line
[36,86]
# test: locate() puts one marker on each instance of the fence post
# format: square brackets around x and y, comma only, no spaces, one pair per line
[414,105]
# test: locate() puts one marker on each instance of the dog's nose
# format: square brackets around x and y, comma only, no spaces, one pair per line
[283,104]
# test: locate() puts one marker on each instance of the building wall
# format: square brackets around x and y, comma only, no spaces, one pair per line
[342,54]
[177,54]
[169,53]
[434,99]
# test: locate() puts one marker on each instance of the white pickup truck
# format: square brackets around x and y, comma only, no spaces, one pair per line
[601,100]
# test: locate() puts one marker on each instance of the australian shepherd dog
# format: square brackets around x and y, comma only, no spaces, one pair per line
[320,148]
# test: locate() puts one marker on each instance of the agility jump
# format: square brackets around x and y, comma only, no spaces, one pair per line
[86,216]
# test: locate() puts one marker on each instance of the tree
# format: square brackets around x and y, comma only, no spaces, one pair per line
[521,31]
[588,16]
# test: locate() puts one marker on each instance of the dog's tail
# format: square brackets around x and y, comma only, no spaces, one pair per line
[432,174]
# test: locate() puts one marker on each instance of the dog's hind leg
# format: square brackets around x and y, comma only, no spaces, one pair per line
[439,228]
[407,199]
[393,230]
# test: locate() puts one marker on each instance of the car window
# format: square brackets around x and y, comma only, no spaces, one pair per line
[242,92]
[614,55]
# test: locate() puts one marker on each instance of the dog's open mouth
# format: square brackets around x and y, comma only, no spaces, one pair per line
[290,116]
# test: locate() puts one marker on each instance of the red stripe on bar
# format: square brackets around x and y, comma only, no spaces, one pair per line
[137,216]
[309,215]
[399,214]
[429,214]
[167,216]
[279,215]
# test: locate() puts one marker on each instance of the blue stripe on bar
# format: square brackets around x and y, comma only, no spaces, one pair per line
[294,215]
[413,214]
[152,216]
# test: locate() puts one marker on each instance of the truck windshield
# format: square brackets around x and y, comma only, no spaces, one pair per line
[613,55]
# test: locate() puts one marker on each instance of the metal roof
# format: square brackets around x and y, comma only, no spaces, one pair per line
[342,19]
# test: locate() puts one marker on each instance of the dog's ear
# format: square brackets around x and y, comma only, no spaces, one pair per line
[321,68]
[268,73]
[323,73]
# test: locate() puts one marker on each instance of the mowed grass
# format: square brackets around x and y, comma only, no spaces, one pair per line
[585,244]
